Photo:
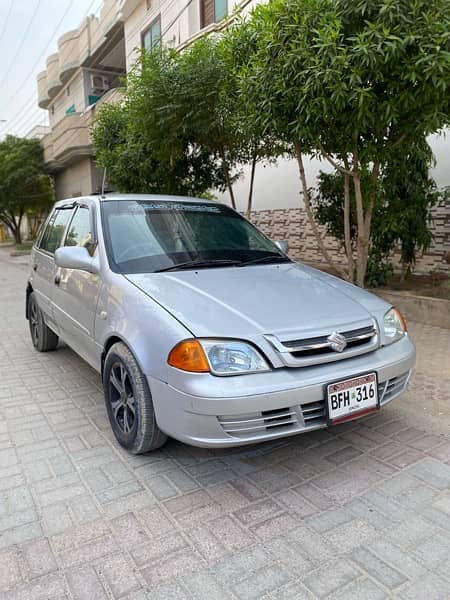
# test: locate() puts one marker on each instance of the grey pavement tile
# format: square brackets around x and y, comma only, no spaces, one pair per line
[129,531]
[358,508]
[292,591]
[47,587]
[330,577]
[119,573]
[430,586]
[397,558]
[177,564]
[10,575]
[155,521]
[166,591]
[274,525]
[412,532]
[261,582]
[38,558]
[239,565]
[431,471]
[85,583]
[20,534]
[203,586]
[378,569]
[433,551]
[258,511]
[361,589]
[350,535]
[290,553]
[328,519]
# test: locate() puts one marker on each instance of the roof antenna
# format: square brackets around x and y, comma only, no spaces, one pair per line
[103,181]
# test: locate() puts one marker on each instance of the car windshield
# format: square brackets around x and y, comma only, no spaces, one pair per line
[156,235]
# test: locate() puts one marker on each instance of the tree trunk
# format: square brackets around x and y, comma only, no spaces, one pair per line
[250,191]
[310,215]
[17,235]
[347,229]
[10,221]
[226,172]
[362,244]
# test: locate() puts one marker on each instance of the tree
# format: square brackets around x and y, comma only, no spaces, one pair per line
[143,143]
[24,185]
[351,82]
[400,218]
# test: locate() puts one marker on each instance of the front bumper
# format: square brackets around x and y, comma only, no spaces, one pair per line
[205,410]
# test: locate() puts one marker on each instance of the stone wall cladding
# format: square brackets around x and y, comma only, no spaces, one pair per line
[292,224]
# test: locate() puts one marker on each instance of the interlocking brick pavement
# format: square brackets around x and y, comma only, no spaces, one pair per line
[360,511]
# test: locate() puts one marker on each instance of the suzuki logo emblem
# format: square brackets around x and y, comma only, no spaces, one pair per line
[337,341]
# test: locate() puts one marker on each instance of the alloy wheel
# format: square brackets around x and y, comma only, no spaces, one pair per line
[121,396]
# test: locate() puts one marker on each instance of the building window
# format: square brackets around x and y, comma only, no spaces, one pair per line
[212,11]
[151,38]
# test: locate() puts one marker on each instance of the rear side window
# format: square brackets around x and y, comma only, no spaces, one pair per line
[53,234]
[79,232]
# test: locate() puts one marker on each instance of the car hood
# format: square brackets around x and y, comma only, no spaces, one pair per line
[248,301]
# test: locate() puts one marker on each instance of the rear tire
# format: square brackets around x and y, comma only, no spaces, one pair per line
[129,402]
[43,338]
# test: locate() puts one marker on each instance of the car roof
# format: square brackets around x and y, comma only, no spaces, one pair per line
[117,197]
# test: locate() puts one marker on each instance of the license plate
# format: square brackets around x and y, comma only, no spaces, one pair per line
[352,398]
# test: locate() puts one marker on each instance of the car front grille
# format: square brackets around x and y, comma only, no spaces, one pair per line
[298,418]
[392,387]
[319,349]
[295,419]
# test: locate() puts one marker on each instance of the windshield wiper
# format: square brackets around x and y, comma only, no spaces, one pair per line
[274,258]
[200,264]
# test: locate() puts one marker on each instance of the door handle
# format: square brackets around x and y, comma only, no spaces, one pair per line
[57,280]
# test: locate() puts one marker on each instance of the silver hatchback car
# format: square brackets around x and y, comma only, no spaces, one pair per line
[203,329]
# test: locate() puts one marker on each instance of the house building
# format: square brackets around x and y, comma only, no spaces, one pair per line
[85,71]
[87,68]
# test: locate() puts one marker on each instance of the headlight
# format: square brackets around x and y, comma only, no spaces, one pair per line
[220,357]
[232,357]
[394,326]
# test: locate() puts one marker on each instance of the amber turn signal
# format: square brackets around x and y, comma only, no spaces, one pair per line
[188,356]
[402,320]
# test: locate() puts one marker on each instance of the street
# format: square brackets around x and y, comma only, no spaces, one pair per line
[360,511]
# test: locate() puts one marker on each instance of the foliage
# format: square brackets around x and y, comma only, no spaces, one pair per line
[349,81]
[181,129]
[400,217]
[24,186]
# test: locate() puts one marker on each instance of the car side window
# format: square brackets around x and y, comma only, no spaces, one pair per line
[53,234]
[79,232]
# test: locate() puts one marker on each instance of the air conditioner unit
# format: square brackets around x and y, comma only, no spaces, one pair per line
[99,84]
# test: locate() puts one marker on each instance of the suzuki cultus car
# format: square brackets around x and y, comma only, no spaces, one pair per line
[205,330]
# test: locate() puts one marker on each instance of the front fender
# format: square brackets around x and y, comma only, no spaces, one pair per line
[125,312]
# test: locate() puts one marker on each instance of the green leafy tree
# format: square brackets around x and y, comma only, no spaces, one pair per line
[143,144]
[351,82]
[24,185]
[401,217]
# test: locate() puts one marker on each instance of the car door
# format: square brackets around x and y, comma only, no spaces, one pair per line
[75,293]
[43,260]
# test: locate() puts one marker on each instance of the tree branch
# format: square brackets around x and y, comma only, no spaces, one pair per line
[310,215]
[335,164]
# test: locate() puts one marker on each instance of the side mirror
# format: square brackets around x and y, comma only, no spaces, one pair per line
[282,245]
[76,257]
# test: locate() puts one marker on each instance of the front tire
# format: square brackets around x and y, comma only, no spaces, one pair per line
[129,402]
[43,338]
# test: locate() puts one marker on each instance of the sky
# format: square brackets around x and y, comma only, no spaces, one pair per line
[29,31]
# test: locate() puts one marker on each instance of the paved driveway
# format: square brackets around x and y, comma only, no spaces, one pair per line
[362,511]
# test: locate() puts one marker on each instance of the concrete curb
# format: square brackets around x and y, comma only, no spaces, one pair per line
[423,309]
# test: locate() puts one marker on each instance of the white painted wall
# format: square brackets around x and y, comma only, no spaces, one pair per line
[279,186]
